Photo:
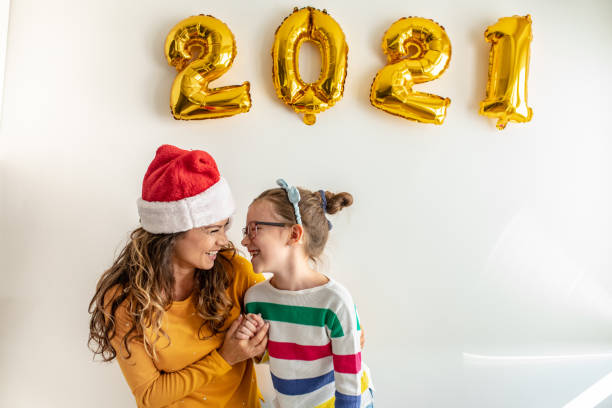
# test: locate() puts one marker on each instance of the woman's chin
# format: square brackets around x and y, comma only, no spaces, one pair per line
[207,264]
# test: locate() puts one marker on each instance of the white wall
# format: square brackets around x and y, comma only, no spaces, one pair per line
[463,241]
[4,16]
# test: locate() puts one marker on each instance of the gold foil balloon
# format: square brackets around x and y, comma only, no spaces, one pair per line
[506,97]
[418,50]
[309,24]
[190,97]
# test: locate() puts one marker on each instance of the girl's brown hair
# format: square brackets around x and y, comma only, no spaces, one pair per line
[312,213]
[141,276]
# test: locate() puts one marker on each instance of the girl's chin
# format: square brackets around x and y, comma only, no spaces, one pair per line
[257,265]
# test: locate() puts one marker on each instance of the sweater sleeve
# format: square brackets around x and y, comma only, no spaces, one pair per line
[247,279]
[154,388]
[346,352]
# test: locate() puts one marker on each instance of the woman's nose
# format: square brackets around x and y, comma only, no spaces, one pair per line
[222,241]
[245,240]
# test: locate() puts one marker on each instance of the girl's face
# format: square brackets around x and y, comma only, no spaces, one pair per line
[269,248]
[198,247]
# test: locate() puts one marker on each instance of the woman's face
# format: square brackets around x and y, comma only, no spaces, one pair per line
[269,247]
[198,247]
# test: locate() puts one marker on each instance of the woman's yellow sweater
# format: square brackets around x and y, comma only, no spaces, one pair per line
[188,371]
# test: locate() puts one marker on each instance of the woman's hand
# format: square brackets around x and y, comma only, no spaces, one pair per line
[235,350]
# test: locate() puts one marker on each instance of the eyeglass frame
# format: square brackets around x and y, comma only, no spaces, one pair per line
[245,230]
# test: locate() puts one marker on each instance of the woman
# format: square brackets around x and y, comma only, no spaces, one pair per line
[169,305]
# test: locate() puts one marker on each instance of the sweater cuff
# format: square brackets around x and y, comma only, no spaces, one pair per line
[224,366]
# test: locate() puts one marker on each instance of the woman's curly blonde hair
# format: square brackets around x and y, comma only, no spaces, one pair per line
[141,277]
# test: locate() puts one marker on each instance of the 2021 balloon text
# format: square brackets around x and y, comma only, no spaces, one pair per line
[202,48]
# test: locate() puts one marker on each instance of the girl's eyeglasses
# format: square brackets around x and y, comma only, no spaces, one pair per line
[251,229]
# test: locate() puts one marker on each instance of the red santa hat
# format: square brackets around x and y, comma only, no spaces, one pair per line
[182,190]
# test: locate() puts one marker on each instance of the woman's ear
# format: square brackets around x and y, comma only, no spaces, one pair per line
[296,234]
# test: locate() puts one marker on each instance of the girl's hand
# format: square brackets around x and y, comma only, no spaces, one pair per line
[249,326]
[362,337]
[235,350]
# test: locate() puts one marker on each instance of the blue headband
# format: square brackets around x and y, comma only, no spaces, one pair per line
[294,198]
[324,206]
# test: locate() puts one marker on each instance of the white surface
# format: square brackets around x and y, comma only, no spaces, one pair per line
[4,19]
[462,239]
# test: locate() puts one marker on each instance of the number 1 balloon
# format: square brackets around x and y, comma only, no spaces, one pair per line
[506,97]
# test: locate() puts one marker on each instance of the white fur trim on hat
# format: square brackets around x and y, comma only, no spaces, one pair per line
[213,204]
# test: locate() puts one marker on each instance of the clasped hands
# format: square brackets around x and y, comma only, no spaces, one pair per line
[246,337]
[249,336]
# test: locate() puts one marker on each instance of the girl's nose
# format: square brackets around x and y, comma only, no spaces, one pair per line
[245,240]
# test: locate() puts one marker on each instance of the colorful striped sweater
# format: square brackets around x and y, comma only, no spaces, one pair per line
[313,347]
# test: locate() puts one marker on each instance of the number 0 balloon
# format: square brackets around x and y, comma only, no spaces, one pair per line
[190,97]
[506,98]
[309,24]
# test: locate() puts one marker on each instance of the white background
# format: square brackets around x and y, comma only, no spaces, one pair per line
[465,247]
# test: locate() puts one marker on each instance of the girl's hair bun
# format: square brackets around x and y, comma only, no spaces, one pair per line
[336,202]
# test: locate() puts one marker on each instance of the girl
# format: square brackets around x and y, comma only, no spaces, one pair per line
[168,307]
[313,346]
